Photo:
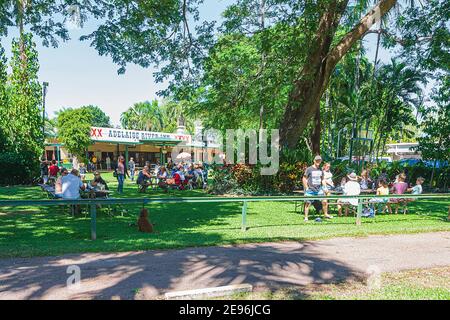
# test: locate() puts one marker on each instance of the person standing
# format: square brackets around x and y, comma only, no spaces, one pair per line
[44,171]
[94,163]
[122,172]
[53,170]
[75,163]
[313,183]
[132,167]
[108,163]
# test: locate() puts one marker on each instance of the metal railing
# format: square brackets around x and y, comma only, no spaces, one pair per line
[92,203]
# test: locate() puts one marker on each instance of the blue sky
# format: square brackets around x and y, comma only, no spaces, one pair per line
[79,76]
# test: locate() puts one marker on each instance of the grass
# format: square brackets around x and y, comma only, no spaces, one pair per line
[42,231]
[420,284]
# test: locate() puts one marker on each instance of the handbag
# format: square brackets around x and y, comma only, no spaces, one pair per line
[115,173]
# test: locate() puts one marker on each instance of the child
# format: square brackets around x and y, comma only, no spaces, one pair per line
[82,171]
[398,188]
[365,180]
[383,190]
[417,189]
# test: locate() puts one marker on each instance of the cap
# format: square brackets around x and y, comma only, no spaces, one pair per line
[317,158]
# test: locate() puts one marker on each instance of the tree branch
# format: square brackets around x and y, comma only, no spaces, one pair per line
[397,39]
[358,32]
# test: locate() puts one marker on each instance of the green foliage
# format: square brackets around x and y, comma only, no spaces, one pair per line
[4,98]
[153,116]
[39,16]
[15,168]
[99,118]
[24,125]
[74,127]
[20,119]
[435,142]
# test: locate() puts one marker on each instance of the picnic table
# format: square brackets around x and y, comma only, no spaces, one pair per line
[331,192]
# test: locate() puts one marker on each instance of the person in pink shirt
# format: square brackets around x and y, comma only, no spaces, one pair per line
[399,187]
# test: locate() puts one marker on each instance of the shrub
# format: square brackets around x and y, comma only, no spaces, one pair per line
[18,169]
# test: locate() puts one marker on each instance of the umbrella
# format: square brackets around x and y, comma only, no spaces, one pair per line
[184,156]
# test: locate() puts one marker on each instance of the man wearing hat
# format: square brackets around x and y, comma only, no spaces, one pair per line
[351,188]
[313,183]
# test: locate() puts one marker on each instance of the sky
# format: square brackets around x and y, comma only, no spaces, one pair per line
[78,76]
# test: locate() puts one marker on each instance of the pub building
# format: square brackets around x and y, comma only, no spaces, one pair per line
[142,146]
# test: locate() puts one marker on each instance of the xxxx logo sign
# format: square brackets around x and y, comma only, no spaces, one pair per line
[96,132]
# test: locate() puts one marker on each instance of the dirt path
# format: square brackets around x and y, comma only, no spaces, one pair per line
[141,275]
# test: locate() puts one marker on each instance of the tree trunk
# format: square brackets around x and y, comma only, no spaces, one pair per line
[313,78]
[315,135]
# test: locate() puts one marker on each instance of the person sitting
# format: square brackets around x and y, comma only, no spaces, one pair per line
[71,185]
[58,183]
[351,188]
[98,183]
[144,179]
[202,175]
[399,187]
[382,177]
[83,171]
[180,179]
[162,178]
[382,190]
[416,190]
[365,181]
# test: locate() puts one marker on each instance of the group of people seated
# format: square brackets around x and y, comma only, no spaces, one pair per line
[69,184]
[180,176]
[318,181]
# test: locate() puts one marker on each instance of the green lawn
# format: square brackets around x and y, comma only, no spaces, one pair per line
[33,231]
[420,284]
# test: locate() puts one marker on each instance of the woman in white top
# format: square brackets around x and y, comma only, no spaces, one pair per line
[351,188]
[327,178]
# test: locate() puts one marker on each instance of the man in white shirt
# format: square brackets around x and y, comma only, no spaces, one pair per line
[351,188]
[71,186]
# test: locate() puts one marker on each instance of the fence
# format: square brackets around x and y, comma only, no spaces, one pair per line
[92,203]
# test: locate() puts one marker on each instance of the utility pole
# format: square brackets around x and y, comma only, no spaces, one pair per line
[44,94]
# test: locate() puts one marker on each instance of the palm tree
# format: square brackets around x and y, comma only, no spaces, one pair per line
[143,116]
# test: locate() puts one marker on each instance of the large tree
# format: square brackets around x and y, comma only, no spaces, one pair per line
[156,32]
[74,126]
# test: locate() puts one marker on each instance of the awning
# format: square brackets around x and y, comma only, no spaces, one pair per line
[161,142]
[122,143]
